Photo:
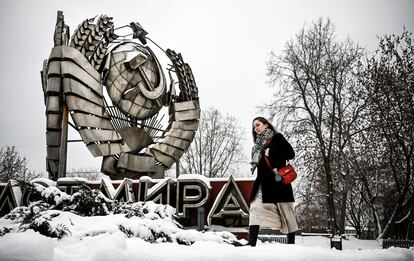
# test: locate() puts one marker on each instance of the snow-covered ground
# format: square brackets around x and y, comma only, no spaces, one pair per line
[99,238]
[89,226]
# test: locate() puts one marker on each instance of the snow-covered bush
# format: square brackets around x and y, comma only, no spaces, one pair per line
[23,214]
[41,222]
[5,230]
[153,235]
[50,195]
[34,217]
[90,202]
[149,221]
[127,208]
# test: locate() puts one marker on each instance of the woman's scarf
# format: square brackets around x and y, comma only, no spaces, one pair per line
[258,147]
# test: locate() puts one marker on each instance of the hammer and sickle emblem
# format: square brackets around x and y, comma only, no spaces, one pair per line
[146,87]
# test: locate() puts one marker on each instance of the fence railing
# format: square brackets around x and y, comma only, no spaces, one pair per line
[386,243]
[273,238]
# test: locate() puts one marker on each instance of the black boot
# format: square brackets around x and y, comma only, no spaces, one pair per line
[291,238]
[253,233]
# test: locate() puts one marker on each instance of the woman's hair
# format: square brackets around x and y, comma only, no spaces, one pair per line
[264,121]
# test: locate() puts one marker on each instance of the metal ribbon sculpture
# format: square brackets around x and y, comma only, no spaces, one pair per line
[122,129]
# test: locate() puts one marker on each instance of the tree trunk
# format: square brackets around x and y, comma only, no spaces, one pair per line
[330,200]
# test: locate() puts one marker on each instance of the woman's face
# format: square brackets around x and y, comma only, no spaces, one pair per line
[259,126]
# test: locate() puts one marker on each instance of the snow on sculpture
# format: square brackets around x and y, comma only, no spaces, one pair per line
[126,128]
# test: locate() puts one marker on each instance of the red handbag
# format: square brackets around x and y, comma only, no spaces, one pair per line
[287,172]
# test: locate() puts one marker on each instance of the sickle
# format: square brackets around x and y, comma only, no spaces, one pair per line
[152,92]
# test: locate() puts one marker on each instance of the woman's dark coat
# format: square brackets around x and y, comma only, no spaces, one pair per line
[273,192]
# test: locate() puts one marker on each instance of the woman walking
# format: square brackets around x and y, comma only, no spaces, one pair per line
[271,202]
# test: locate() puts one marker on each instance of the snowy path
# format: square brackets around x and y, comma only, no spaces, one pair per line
[116,246]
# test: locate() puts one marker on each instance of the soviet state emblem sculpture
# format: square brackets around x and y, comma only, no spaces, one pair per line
[114,87]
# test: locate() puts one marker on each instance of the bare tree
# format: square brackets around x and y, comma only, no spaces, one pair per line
[14,166]
[316,100]
[370,181]
[216,150]
[389,81]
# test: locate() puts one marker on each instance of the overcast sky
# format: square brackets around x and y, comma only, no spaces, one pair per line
[227,44]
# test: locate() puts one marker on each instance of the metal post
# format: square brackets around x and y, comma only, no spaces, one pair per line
[177,168]
[63,142]
[200,219]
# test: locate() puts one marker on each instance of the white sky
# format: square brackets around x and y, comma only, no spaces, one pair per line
[226,43]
